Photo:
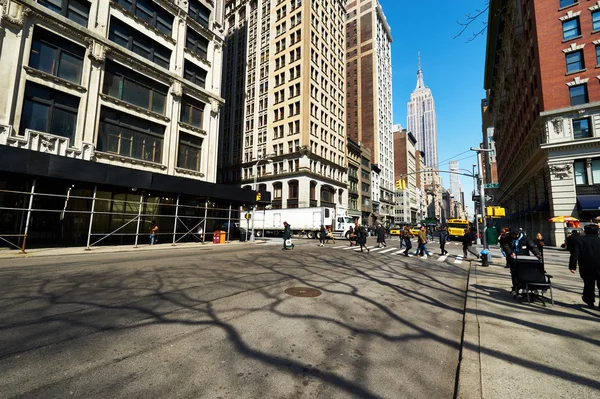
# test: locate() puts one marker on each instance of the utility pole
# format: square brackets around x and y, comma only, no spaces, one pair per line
[482,194]
[475,177]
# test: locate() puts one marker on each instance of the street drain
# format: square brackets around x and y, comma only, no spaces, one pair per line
[303,292]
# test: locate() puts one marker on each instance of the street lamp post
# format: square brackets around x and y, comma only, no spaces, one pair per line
[475,177]
[269,160]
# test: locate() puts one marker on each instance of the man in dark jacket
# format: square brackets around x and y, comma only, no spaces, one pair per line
[287,233]
[514,244]
[586,250]
[380,232]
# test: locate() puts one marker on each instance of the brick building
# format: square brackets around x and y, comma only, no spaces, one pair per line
[544,100]
[405,164]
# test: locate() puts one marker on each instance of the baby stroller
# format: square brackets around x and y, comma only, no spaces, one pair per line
[532,280]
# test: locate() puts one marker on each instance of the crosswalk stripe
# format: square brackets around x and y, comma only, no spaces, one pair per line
[398,253]
[344,246]
[388,250]
[442,258]
[352,247]
[375,248]
[458,260]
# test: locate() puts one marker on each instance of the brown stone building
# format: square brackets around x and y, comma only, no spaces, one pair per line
[405,166]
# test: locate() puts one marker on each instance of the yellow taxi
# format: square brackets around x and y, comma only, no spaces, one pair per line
[396,231]
[414,231]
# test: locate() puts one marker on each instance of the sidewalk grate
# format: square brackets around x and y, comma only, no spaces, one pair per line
[303,292]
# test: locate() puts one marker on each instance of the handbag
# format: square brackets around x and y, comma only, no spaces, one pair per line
[288,243]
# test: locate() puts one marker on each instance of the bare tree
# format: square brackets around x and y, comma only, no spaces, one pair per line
[470,19]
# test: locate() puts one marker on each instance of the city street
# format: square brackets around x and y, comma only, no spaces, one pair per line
[215,322]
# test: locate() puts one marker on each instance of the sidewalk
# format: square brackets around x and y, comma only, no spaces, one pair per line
[516,350]
[6,253]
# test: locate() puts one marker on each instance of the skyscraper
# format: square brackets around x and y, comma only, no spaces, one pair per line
[422,121]
[285,91]
[455,186]
[369,96]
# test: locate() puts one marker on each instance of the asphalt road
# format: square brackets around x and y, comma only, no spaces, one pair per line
[215,322]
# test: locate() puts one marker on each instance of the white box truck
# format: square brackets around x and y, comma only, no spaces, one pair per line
[302,221]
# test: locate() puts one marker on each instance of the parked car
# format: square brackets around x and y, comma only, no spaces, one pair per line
[414,231]
[396,231]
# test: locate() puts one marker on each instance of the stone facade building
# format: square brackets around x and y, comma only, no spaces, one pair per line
[359,182]
[284,121]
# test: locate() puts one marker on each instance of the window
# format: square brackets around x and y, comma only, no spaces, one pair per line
[564,3]
[580,172]
[76,10]
[571,29]
[194,74]
[196,43]
[581,128]
[129,136]
[575,61]
[50,111]
[139,43]
[596,171]
[190,151]
[56,56]
[597,55]
[596,21]
[293,190]
[277,191]
[123,83]
[192,112]
[199,13]
[150,12]
[578,94]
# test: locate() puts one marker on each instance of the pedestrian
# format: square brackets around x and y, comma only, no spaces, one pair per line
[330,235]
[380,233]
[153,233]
[422,243]
[406,236]
[322,236]
[351,236]
[387,233]
[201,233]
[467,242]
[569,242]
[516,243]
[586,251]
[443,233]
[361,238]
[539,243]
[287,234]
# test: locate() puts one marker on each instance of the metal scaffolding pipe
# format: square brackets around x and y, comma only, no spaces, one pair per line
[91,218]
[205,216]
[176,218]
[139,217]
[27,220]
[229,223]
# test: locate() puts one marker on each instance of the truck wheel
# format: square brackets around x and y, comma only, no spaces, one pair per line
[257,233]
[311,235]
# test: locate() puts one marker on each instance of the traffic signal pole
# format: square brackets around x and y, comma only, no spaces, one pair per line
[482,202]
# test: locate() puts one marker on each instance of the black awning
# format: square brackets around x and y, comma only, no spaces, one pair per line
[588,203]
[40,164]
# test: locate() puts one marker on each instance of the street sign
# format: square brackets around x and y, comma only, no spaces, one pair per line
[491,185]
[489,198]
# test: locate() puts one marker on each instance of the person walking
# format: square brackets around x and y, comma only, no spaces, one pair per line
[443,233]
[351,236]
[569,241]
[329,235]
[361,238]
[467,242]
[380,232]
[153,233]
[406,237]
[287,234]
[516,243]
[322,236]
[539,243]
[422,241]
[586,251]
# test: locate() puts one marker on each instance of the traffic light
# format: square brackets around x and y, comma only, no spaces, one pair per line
[258,196]
[399,184]
[495,212]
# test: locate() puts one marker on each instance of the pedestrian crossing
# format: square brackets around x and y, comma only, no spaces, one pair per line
[394,251]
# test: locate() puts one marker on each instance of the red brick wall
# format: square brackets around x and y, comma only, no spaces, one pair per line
[400,162]
[367,111]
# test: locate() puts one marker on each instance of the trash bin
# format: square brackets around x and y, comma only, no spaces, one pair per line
[485,261]
[217,237]
[243,234]
[492,235]
[223,236]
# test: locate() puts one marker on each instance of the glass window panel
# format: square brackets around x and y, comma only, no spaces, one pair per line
[185,113]
[135,93]
[70,67]
[580,174]
[581,128]
[596,171]
[158,102]
[66,100]
[596,20]
[64,123]
[112,84]
[142,50]
[571,28]
[78,11]
[578,95]
[34,116]
[43,57]
[54,5]
[574,61]
[196,118]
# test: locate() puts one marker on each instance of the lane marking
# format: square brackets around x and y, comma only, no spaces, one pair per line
[458,260]
[388,250]
[442,258]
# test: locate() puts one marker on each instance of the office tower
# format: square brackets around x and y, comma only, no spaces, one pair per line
[455,186]
[422,121]
[369,96]
[284,87]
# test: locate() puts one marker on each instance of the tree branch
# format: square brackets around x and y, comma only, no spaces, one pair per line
[470,18]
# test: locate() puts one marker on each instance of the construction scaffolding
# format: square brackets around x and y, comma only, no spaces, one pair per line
[101,216]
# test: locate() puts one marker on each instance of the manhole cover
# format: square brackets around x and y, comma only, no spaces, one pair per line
[303,292]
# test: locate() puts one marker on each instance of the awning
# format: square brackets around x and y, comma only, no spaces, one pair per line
[588,203]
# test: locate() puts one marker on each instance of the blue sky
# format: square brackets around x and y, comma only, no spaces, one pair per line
[452,69]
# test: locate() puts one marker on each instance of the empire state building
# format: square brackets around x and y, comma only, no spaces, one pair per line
[421,120]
